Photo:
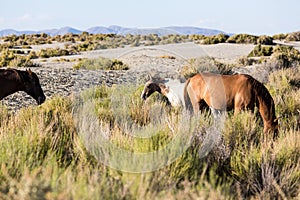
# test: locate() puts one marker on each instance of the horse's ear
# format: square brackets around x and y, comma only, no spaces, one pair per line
[150,77]
[29,71]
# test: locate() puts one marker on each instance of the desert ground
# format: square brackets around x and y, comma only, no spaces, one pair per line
[59,78]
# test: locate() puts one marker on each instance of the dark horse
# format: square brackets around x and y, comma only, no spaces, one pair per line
[230,92]
[13,80]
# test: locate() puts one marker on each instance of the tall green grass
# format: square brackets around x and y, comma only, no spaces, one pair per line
[53,151]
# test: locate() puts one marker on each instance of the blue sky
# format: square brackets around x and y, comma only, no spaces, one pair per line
[232,16]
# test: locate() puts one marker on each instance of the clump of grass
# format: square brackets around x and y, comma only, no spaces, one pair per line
[242,39]
[263,172]
[245,61]
[285,56]
[214,39]
[204,64]
[265,40]
[280,36]
[44,153]
[286,96]
[295,36]
[101,63]
[11,59]
[47,53]
[260,50]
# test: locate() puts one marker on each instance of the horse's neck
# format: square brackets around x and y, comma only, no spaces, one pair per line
[175,93]
[174,99]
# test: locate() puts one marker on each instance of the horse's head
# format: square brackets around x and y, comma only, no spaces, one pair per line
[32,86]
[150,88]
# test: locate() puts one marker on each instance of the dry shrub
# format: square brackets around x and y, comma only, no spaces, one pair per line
[285,57]
[295,36]
[242,39]
[101,63]
[204,64]
[260,50]
[168,57]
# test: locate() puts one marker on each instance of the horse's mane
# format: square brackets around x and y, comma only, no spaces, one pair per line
[262,94]
[10,74]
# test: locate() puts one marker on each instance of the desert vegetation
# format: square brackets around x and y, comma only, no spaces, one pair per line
[45,154]
[275,56]
[101,63]
[60,149]
[21,46]
[197,65]
[245,38]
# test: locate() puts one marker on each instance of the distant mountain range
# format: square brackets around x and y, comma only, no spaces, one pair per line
[181,30]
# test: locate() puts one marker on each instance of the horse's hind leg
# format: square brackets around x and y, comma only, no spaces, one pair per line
[239,105]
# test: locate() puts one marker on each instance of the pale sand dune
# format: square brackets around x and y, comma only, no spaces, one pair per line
[183,50]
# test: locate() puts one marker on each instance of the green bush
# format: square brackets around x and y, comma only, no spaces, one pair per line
[197,37]
[245,61]
[285,56]
[22,61]
[101,63]
[280,36]
[265,40]
[48,53]
[260,50]
[295,36]
[215,39]
[6,46]
[6,57]
[204,64]
[242,39]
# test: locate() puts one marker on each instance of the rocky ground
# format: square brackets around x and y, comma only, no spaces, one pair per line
[59,78]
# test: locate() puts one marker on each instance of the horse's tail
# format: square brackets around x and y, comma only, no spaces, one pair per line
[186,96]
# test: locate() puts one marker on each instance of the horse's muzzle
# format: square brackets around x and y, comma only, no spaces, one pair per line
[144,96]
[41,100]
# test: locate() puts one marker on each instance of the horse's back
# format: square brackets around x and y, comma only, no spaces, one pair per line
[223,91]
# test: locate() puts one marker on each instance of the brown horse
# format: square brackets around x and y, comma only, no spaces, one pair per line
[13,80]
[230,92]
